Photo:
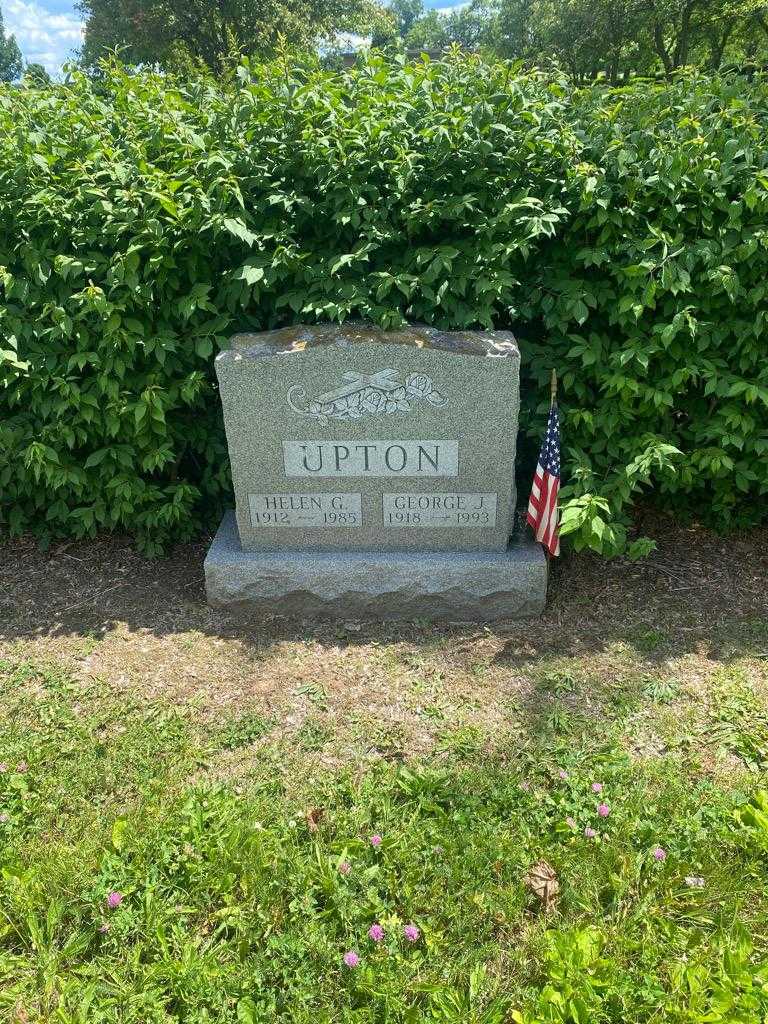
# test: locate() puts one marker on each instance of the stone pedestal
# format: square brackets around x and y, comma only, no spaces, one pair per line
[476,586]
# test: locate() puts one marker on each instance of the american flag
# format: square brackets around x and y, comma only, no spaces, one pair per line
[543,514]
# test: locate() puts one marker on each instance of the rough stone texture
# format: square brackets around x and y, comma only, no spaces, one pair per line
[353,386]
[476,586]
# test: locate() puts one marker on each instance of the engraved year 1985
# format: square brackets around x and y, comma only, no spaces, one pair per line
[305,510]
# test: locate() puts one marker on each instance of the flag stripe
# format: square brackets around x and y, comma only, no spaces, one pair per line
[543,513]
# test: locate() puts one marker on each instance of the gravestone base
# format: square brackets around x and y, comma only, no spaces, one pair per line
[478,586]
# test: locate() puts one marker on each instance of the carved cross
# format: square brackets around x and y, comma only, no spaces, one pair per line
[384,380]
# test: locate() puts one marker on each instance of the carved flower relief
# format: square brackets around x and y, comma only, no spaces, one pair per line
[420,386]
[370,400]
[397,401]
[350,407]
[373,401]
[381,402]
[339,410]
[367,402]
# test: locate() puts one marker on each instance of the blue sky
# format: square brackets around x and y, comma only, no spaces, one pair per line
[49,31]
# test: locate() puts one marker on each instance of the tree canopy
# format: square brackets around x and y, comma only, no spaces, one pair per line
[591,37]
[211,30]
[587,37]
[36,75]
[11,62]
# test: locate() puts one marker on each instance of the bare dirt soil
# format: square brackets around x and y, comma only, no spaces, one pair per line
[349,690]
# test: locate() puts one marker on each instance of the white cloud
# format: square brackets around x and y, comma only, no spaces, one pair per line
[452,9]
[350,41]
[45,37]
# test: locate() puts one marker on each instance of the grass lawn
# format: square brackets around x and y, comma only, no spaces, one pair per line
[230,779]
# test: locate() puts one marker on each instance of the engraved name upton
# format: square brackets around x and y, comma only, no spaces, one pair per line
[371,458]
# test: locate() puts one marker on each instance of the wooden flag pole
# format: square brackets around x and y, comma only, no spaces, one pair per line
[553,392]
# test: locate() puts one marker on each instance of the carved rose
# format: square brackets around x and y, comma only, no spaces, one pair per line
[435,398]
[374,401]
[370,400]
[418,384]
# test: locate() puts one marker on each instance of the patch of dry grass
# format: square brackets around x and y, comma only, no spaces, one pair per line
[635,647]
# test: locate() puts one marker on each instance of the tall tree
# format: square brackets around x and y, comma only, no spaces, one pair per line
[732,28]
[434,30]
[11,63]
[211,30]
[586,36]
[679,27]
[397,19]
[36,75]
[516,29]
[406,13]
[614,37]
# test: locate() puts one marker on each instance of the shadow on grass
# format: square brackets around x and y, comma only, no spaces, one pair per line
[698,593]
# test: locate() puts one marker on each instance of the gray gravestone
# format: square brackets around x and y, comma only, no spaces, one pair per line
[354,451]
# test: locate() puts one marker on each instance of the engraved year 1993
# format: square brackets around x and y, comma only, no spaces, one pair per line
[473,510]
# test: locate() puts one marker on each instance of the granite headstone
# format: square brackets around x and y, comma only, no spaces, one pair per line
[355,451]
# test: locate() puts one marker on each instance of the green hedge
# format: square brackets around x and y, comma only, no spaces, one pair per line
[622,234]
